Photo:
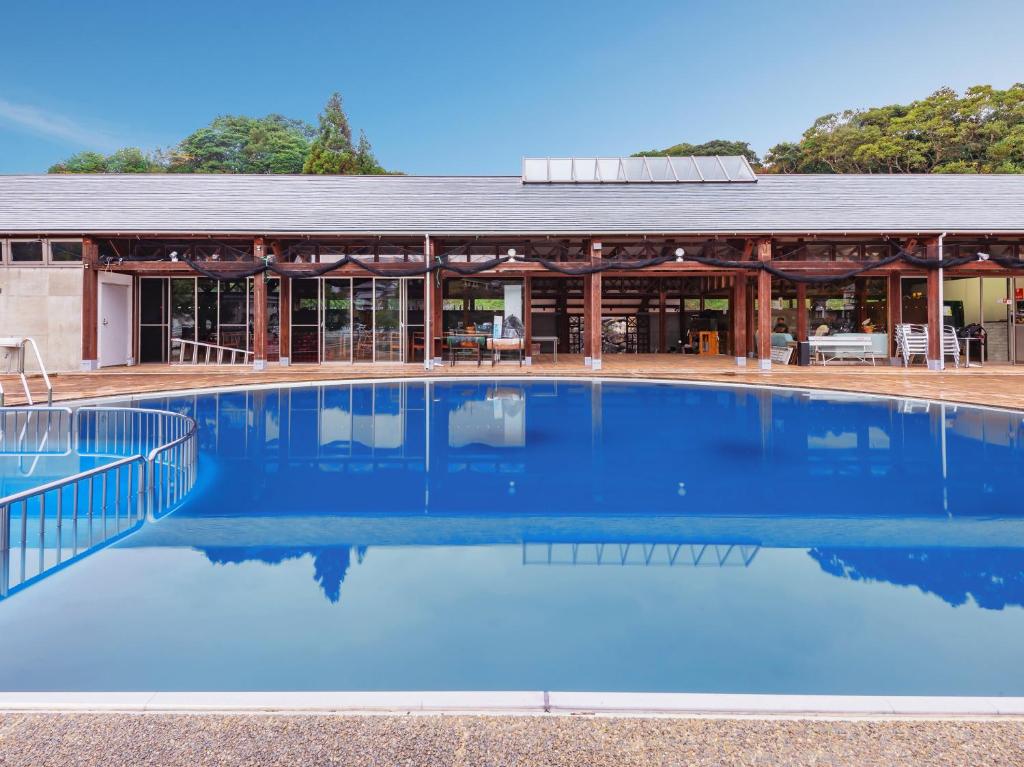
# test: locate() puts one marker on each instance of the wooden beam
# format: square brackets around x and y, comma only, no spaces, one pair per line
[935,317]
[801,311]
[592,284]
[893,307]
[764,306]
[593,321]
[662,318]
[284,310]
[528,319]
[259,309]
[90,303]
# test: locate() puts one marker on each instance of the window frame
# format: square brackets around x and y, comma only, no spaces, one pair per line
[49,251]
[43,251]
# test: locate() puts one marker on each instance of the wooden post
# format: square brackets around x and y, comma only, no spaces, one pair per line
[592,322]
[90,304]
[562,315]
[586,319]
[662,318]
[801,311]
[935,318]
[284,311]
[528,319]
[437,308]
[764,306]
[259,309]
[893,308]
[739,317]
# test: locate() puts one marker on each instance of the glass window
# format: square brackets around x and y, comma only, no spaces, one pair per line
[64,251]
[27,251]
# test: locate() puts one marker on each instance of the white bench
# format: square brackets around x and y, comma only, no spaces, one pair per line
[829,348]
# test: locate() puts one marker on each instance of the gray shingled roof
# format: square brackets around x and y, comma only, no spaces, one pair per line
[394,205]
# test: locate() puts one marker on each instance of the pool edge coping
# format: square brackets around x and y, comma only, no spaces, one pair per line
[714,705]
[849,394]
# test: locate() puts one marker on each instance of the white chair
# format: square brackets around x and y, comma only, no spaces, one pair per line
[950,345]
[911,341]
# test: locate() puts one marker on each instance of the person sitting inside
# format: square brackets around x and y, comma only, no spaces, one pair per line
[781,326]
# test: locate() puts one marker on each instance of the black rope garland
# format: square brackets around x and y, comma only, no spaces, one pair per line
[443,264]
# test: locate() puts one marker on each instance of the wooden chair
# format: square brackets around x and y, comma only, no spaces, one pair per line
[418,344]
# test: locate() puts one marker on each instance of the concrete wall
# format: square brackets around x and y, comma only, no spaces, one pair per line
[46,304]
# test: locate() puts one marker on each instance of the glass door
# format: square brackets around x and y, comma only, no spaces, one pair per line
[362,320]
[337,320]
[305,321]
[387,328]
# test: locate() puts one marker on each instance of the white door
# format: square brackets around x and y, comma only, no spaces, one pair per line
[115,324]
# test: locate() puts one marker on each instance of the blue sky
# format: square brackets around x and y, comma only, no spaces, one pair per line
[470,87]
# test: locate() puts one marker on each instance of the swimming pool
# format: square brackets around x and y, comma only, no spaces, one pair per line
[557,535]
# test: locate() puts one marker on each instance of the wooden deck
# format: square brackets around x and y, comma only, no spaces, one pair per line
[996,385]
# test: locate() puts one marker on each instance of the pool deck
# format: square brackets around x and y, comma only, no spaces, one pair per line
[993,385]
[172,739]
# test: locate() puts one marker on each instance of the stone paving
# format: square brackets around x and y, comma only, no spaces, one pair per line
[196,740]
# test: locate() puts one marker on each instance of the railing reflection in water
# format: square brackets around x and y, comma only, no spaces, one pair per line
[153,465]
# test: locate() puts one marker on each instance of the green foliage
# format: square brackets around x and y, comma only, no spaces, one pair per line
[241,144]
[128,160]
[716,146]
[332,151]
[981,131]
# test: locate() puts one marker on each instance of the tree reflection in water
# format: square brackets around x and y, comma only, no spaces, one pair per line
[330,563]
[992,577]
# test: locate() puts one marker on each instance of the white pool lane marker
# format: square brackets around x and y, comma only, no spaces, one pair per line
[598,703]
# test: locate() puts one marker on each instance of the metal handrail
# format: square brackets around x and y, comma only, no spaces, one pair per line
[21,343]
[148,483]
[220,350]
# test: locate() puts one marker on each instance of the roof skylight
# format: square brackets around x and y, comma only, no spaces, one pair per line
[636,170]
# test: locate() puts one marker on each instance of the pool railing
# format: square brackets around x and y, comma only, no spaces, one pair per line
[154,456]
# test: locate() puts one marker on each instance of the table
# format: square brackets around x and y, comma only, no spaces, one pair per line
[553,340]
[967,351]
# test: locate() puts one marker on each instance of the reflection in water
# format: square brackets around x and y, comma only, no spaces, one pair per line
[992,578]
[569,535]
[330,563]
[676,469]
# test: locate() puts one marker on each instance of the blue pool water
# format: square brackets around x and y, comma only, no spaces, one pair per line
[557,536]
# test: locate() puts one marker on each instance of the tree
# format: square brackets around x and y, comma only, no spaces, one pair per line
[979,131]
[332,151]
[240,144]
[127,160]
[721,147]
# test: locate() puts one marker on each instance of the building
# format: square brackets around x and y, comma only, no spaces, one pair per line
[595,256]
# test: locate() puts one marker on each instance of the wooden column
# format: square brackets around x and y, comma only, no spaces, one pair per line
[893,308]
[90,304]
[284,311]
[801,311]
[528,319]
[434,284]
[662,318]
[935,318]
[739,317]
[259,309]
[586,320]
[562,315]
[592,295]
[594,321]
[764,306]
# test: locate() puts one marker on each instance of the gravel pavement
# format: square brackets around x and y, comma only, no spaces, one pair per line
[196,740]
